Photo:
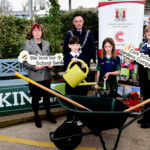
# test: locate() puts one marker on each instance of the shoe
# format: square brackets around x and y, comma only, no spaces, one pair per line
[50,119]
[145,125]
[140,121]
[38,122]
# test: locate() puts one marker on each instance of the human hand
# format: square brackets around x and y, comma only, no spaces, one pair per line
[83,65]
[96,86]
[106,76]
[50,66]
[74,59]
[39,67]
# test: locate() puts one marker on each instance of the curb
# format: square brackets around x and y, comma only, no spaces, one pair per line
[13,119]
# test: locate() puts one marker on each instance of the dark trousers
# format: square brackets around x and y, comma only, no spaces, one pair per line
[145,83]
[146,95]
[35,104]
[78,90]
[36,94]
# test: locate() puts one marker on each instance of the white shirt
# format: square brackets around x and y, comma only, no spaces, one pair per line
[80,31]
[74,54]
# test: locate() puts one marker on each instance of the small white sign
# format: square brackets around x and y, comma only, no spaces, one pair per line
[140,58]
[40,60]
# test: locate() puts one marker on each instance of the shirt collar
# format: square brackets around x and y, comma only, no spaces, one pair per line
[74,54]
[79,30]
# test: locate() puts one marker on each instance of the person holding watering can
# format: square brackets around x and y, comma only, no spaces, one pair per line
[144,77]
[74,55]
[108,66]
[40,74]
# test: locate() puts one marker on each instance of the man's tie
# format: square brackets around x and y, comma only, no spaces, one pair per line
[80,32]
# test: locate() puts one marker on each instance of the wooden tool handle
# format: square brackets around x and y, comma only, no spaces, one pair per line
[59,95]
[138,105]
[25,78]
[51,91]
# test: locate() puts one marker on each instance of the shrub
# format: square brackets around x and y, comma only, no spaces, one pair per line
[90,18]
[13,33]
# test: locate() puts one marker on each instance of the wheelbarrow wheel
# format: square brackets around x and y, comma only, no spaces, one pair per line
[67,129]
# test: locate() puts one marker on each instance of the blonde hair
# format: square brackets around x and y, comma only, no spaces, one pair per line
[146,30]
[110,41]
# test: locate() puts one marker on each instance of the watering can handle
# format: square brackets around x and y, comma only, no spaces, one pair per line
[81,61]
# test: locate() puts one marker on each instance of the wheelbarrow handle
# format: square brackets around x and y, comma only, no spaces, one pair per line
[51,91]
[138,105]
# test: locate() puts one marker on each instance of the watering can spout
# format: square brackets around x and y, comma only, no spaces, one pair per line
[87,83]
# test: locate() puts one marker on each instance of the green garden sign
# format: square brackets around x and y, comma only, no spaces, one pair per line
[14,99]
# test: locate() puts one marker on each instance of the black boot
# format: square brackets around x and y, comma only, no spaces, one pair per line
[140,121]
[38,122]
[145,125]
[50,118]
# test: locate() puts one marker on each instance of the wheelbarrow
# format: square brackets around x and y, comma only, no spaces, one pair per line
[107,113]
[98,114]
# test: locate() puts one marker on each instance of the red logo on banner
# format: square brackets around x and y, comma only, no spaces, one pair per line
[120,14]
[118,36]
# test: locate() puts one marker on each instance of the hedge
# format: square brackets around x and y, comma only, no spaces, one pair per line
[13,33]
[90,22]
[14,30]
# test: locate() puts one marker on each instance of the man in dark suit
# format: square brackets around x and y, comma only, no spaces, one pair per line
[85,36]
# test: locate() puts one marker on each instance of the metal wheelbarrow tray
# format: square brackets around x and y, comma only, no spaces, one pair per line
[107,113]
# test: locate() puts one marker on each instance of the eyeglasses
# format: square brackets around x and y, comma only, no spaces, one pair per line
[37,30]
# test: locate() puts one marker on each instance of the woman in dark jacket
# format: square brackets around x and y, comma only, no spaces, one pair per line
[40,74]
[144,77]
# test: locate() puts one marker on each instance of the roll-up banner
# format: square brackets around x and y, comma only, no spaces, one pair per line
[122,21]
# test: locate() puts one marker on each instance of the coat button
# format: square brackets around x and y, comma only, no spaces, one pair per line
[36,51]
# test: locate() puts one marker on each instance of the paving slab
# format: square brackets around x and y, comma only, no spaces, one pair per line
[13,119]
[132,138]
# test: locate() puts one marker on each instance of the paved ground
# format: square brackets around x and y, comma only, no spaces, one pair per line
[26,136]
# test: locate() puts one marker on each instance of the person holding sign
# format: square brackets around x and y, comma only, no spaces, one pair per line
[40,74]
[144,77]
[108,66]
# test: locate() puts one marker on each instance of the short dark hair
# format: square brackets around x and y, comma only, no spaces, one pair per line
[74,40]
[77,15]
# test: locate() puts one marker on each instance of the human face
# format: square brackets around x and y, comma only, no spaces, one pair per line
[78,22]
[108,48]
[148,35]
[37,33]
[126,61]
[74,47]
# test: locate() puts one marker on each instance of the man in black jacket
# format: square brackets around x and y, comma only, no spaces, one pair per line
[85,36]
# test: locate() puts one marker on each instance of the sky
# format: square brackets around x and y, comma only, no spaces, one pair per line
[17,4]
